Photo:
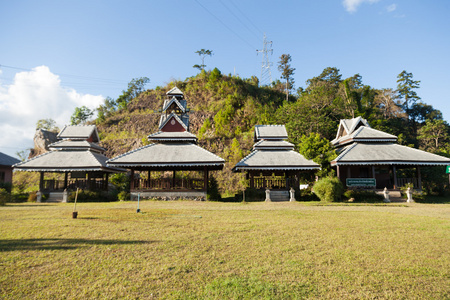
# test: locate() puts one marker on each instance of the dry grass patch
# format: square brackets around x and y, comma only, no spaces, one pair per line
[208,250]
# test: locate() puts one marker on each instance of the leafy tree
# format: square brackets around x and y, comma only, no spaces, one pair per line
[319,150]
[47,124]
[106,109]
[405,89]
[330,75]
[135,87]
[432,133]
[287,71]
[81,115]
[203,53]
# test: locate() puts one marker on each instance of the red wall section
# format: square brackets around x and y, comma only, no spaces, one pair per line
[173,126]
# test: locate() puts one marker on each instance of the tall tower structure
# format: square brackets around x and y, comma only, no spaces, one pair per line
[266,75]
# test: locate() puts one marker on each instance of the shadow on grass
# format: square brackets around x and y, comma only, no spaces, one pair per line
[59,244]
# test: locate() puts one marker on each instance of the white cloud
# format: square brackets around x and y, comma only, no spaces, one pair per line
[391,7]
[352,5]
[32,96]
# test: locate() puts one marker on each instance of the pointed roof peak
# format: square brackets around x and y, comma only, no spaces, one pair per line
[175,91]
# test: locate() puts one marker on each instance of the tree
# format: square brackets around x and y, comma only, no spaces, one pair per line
[405,89]
[106,109]
[319,150]
[47,124]
[432,133]
[387,102]
[284,66]
[135,87]
[81,115]
[203,53]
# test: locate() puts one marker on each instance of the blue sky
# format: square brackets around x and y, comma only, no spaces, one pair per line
[56,55]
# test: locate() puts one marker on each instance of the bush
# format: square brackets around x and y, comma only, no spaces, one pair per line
[123,196]
[213,190]
[306,194]
[91,196]
[363,196]
[6,185]
[329,189]
[4,196]
[32,197]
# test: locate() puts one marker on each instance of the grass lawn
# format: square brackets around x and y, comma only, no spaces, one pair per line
[210,250]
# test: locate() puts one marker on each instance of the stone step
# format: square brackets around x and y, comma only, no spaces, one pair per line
[279,195]
[55,197]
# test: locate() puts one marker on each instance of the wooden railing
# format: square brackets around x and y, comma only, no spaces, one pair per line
[169,184]
[403,181]
[274,182]
[73,184]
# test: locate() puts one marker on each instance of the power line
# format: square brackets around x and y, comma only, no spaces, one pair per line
[239,19]
[248,19]
[225,25]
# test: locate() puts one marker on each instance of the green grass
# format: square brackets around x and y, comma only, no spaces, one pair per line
[209,250]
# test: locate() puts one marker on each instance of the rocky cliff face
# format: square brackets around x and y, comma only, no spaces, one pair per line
[42,139]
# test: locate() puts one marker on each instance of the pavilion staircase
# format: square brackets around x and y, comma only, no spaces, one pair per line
[279,196]
[55,197]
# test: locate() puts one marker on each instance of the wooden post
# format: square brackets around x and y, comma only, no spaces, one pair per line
[419,177]
[349,172]
[132,180]
[252,183]
[173,180]
[106,181]
[66,174]
[89,183]
[337,171]
[41,182]
[373,171]
[206,179]
[394,170]
[149,175]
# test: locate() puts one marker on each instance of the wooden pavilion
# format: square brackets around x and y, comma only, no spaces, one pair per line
[372,158]
[78,156]
[273,164]
[173,166]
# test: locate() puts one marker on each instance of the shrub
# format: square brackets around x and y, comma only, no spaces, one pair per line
[213,190]
[306,195]
[91,196]
[123,196]
[363,196]
[251,195]
[329,189]
[4,196]
[6,185]
[32,197]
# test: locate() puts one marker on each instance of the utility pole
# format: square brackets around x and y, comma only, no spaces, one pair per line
[266,75]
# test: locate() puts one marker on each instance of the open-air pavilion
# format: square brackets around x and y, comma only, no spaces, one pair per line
[371,158]
[173,166]
[273,164]
[77,156]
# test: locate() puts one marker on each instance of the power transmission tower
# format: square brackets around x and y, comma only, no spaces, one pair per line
[266,75]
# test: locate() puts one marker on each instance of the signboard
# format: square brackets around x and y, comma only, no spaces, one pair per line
[448,169]
[370,182]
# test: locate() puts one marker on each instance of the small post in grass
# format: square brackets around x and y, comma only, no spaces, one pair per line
[138,209]
[75,213]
